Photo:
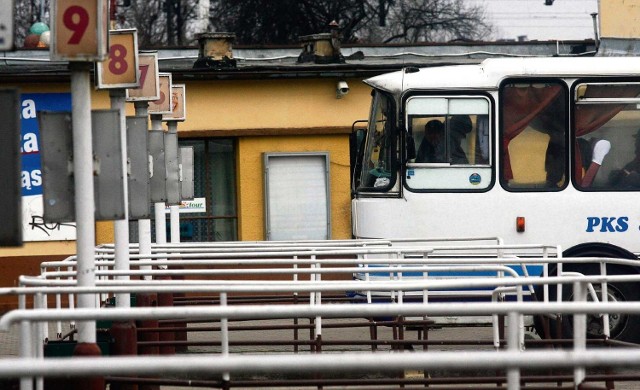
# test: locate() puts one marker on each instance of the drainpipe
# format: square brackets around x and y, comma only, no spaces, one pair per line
[594,17]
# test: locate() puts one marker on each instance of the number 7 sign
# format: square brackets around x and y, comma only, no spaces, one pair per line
[149,89]
[80,30]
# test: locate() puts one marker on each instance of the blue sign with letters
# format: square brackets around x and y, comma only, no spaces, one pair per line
[31,103]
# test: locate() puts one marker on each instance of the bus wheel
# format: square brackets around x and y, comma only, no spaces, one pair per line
[619,324]
[622,327]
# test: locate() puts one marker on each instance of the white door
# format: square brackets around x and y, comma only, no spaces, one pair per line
[297,196]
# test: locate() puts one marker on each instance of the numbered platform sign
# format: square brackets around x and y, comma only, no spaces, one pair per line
[79,30]
[120,69]
[149,89]
[178,104]
[162,105]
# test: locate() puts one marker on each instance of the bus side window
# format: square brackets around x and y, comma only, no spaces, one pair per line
[534,134]
[607,150]
[452,142]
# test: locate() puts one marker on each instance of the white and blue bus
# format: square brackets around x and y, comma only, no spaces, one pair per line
[533,150]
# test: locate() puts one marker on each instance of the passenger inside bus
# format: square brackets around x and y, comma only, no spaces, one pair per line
[554,159]
[432,146]
[460,126]
[629,175]
[593,152]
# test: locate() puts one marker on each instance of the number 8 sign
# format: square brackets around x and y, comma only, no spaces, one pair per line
[120,69]
[79,30]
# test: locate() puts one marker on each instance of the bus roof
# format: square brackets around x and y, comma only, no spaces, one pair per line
[488,74]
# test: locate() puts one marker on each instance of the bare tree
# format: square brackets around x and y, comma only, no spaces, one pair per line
[146,16]
[284,21]
[412,21]
[178,15]
[159,22]
[171,22]
[351,16]
[258,21]
[374,21]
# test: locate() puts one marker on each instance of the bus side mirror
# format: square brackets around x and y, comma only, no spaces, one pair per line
[356,148]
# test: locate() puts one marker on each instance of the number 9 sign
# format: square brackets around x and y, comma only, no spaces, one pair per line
[79,30]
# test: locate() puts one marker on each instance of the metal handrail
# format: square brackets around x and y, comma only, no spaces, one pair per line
[394,259]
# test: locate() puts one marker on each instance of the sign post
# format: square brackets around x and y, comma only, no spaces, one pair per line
[118,72]
[157,109]
[178,103]
[148,90]
[80,36]
[158,192]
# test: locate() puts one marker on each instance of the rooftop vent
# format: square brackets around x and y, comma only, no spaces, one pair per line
[215,51]
[322,48]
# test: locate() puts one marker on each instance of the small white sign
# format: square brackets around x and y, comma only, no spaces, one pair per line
[6,25]
[34,228]
[197,205]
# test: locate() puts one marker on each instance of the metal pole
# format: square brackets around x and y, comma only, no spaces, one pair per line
[175,224]
[144,225]
[26,346]
[83,176]
[174,210]
[224,334]
[121,227]
[159,207]
[579,331]
[513,345]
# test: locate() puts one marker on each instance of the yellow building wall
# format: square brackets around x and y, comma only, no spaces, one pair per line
[619,18]
[272,104]
[264,108]
[250,178]
[267,116]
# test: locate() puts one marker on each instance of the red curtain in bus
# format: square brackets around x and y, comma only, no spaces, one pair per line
[520,105]
[590,117]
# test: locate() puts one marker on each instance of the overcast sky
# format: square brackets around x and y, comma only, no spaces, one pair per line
[564,20]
